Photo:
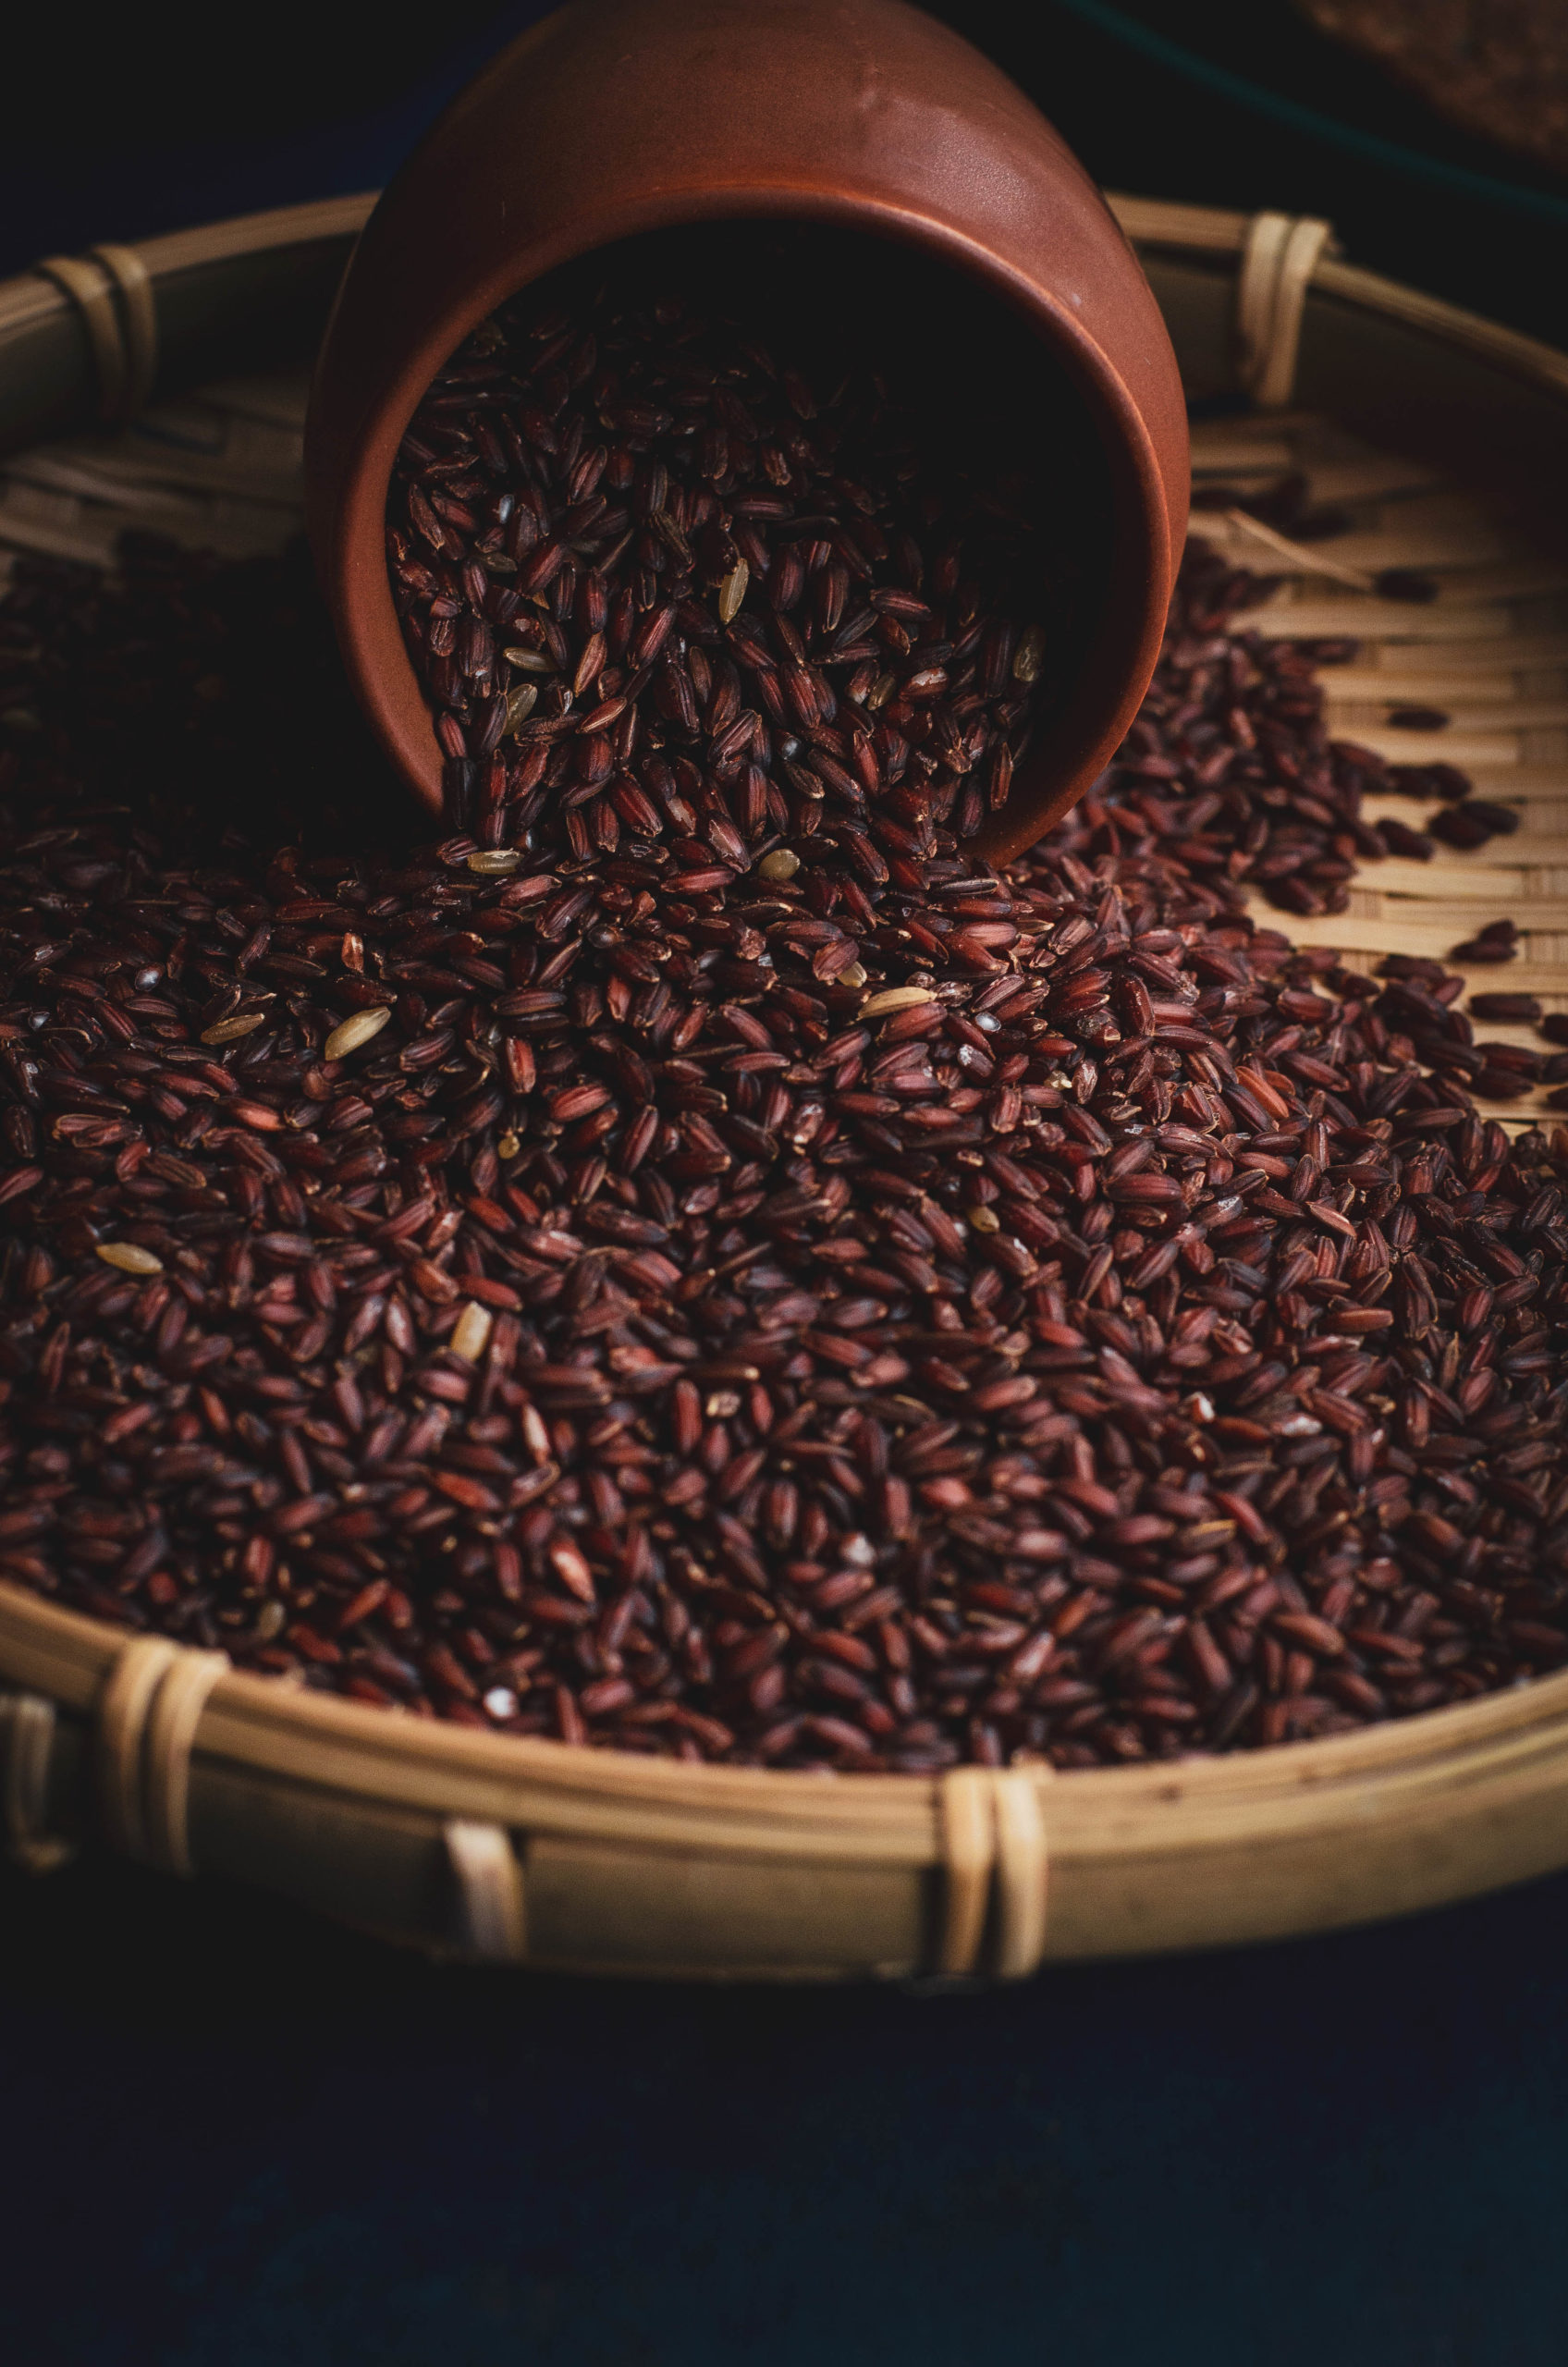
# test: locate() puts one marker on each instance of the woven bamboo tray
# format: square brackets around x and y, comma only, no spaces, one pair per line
[1445,438]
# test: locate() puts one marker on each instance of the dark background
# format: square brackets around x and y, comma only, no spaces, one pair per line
[139,120]
[234,2138]
[231,2136]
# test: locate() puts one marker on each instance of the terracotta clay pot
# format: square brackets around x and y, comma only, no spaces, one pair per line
[616,117]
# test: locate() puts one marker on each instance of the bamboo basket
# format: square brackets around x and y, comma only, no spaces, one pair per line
[164,386]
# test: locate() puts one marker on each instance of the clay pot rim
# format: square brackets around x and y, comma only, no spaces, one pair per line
[1129,631]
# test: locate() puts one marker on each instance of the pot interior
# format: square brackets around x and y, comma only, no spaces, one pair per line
[982,392]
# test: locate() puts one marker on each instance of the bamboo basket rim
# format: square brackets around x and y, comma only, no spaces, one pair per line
[1214,230]
[567,1788]
[1196,1804]
[1150,222]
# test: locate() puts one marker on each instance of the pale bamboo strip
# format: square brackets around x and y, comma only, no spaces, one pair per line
[318,223]
[1473,564]
[1524,578]
[1404,881]
[278,402]
[27,1743]
[72,500]
[1462,748]
[26,533]
[1523,357]
[1022,1874]
[1450,918]
[1208,230]
[969,1846]
[1474,718]
[1375,935]
[1402,682]
[1526,786]
[1522,652]
[139,1668]
[1151,221]
[1381,476]
[176,513]
[1277,260]
[1258,428]
[173,1716]
[1543,978]
[1501,1031]
[492,1914]
[118,475]
[1464,720]
[1327,618]
[234,531]
[90,287]
[1539,861]
[26,303]
[1547,979]
[1237,456]
[138,321]
[183,423]
[1237,532]
[1204,229]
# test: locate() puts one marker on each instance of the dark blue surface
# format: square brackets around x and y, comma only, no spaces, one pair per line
[92,177]
[231,2136]
[234,2137]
